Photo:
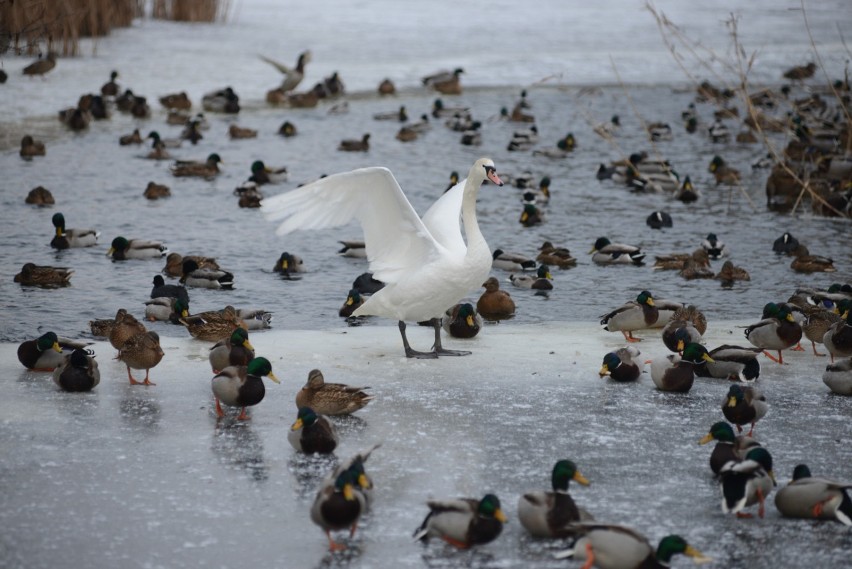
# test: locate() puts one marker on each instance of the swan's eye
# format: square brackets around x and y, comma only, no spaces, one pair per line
[490,170]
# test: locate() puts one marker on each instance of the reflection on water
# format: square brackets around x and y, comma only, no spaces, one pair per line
[236,444]
[347,425]
[308,471]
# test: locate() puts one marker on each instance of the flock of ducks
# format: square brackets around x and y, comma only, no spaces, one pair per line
[428,253]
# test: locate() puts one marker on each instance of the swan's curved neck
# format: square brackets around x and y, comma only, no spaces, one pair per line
[475,239]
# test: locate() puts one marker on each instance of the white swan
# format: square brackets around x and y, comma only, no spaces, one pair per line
[425,264]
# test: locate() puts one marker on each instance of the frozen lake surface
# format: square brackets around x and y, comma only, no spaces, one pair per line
[145,477]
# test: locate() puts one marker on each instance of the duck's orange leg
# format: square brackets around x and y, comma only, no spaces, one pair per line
[590,557]
[333,545]
[629,337]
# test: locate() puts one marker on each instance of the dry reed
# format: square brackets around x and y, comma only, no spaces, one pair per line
[38,26]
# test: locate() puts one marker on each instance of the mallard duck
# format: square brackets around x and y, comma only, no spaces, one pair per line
[338,505]
[239,133]
[123,329]
[691,321]
[605,252]
[555,256]
[158,148]
[386,87]
[39,196]
[331,398]
[838,376]
[179,101]
[262,174]
[723,173]
[804,262]
[508,261]
[816,323]
[623,364]
[439,109]
[786,244]
[692,270]
[353,303]
[445,82]
[462,321]
[719,132]
[78,371]
[122,249]
[677,373]
[110,88]
[133,138]
[608,129]
[351,145]
[730,273]
[154,191]
[45,352]
[541,280]
[141,351]
[564,146]
[747,482]
[676,261]
[66,238]
[714,246]
[174,264]
[495,304]
[353,248]
[292,75]
[31,147]
[288,263]
[254,318]
[635,315]
[75,119]
[212,326]
[463,522]
[658,220]
[312,433]
[799,72]
[531,215]
[355,464]
[732,362]
[221,101]
[406,134]
[241,385]
[778,331]
[400,115]
[744,405]
[165,309]
[102,327]
[161,289]
[192,132]
[728,445]
[619,547]
[808,497]
[206,169]
[687,193]
[366,284]
[194,276]
[838,338]
[44,275]
[41,66]
[550,514]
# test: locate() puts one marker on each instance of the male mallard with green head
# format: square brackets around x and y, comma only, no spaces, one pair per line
[744,405]
[677,373]
[207,169]
[809,497]
[551,514]
[747,482]
[241,386]
[618,547]
[122,249]
[622,365]
[45,352]
[312,433]
[728,445]
[235,351]
[778,331]
[462,321]
[66,238]
[463,522]
[633,316]
[338,505]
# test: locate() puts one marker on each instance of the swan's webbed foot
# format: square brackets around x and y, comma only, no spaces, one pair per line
[409,353]
[444,352]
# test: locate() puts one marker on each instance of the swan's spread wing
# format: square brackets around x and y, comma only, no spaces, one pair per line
[396,239]
[443,219]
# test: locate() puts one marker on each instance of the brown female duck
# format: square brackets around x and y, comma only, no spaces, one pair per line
[331,398]
[495,304]
[43,275]
[141,351]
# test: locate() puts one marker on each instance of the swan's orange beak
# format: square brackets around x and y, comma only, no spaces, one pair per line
[492,175]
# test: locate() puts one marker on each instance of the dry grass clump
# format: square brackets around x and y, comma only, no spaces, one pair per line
[190,10]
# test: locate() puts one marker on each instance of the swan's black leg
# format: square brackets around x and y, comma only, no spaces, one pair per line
[409,353]
[439,350]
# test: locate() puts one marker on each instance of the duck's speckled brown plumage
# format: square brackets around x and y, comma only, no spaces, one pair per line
[44,276]
[331,398]
[141,351]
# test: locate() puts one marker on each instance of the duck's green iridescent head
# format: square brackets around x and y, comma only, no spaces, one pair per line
[716,163]
[261,367]
[214,158]
[761,456]
[645,297]
[696,354]
[735,395]
[600,243]
[305,418]
[682,338]
[543,272]
[119,244]
[610,362]
[467,312]
[354,297]
[182,308]
[239,337]
[801,471]
[770,310]
[59,223]
[345,484]
[672,545]
[489,507]
[564,472]
[720,431]
[47,341]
